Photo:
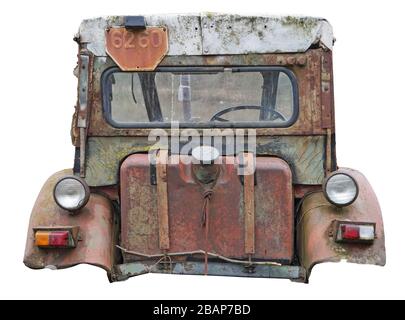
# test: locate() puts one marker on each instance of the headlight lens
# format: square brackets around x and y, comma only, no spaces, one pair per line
[71,193]
[341,189]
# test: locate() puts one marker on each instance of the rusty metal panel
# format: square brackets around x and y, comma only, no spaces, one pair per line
[104,156]
[327,106]
[238,34]
[306,68]
[316,222]
[304,154]
[137,50]
[274,197]
[302,145]
[162,199]
[184,32]
[213,34]
[296,273]
[95,220]
[84,63]
[249,205]
[273,204]
[301,190]
[91,34]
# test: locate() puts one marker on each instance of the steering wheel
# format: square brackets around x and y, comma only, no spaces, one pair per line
[274,114]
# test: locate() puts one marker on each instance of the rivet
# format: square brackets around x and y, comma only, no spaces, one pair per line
[291,60]
[302,61]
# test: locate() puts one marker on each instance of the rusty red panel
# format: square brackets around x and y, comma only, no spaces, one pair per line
[162,198]
[316,228]
[95,223]
[137,50]
[249,206]
[300,190]
[327,105]
[307,70]
[273,210]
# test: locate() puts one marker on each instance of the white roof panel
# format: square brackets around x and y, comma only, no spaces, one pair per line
[217,34]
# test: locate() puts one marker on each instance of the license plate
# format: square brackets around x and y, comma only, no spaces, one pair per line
[137,50]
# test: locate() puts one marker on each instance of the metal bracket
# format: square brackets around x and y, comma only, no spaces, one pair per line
[134,22]
[249,268]
[249,209]
[84,63]
[152,174]
[76,164]
[83,91]
[162,199]
[242,179]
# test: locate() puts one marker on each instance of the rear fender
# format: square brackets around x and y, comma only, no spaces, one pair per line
[316,242]
[95,243]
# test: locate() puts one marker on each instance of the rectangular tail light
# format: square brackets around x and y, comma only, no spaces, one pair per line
[55,237]
[361,232]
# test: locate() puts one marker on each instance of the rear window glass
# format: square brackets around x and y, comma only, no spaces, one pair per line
[201,97]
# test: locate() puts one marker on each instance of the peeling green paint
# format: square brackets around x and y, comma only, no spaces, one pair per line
[304,154]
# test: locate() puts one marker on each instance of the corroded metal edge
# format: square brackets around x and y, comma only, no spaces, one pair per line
[213,33]
[315,240]
[125,271]
[305,155]
[95,245]
[307,73]
[137,50]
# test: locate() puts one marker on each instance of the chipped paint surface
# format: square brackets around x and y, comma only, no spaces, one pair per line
[308,77]
[104,156]
[304,154]
[131,57]
[316,242]
[95,221]
[273,210]
[303,45]
[234,34]
[213,34]
[184,32]
[125,271]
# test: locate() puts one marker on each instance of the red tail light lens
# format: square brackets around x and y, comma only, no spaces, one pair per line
[350,232]
[59,238]
[355,232]
[54,239]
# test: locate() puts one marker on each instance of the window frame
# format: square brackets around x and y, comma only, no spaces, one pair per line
[106,104]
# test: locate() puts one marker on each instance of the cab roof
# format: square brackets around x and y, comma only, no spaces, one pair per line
[220,34]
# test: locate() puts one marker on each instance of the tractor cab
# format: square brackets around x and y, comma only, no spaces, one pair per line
[205,144]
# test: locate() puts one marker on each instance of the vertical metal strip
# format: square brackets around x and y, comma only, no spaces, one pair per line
[162,199]
[326,91]
[329,160]
[84,65]
[82,152]
[249,204]
[83,90]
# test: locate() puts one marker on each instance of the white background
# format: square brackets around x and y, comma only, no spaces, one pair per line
[38,91]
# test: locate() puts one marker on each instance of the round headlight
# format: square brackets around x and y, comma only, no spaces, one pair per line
[341,189]
[71,193]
